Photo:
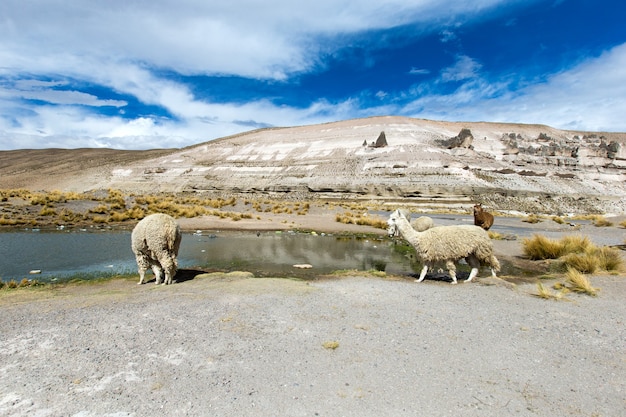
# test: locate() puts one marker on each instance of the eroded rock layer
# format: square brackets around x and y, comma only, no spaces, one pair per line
[507,166]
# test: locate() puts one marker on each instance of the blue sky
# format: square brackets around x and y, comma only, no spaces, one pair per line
[171,73]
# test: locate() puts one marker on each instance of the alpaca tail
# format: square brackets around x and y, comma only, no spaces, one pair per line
[495,264]
[486,257]
[171,233]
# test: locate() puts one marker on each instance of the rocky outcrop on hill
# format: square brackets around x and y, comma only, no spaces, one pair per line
[505,166]
[463,140]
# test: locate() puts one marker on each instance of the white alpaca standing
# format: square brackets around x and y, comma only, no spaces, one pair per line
[155,242]
[448,244]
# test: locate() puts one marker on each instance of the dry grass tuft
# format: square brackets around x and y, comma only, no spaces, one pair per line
[532,218]
[576,244]
[361,220]
[545,293]
[578,282]
[558,219]
[331,345]
[585,263]
[594,259]
[540,247]
[609,259]
[575,252]
[47,211]
[494,235]
[601,221]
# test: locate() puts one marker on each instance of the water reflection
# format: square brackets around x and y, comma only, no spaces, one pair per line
[96,253]
[68,253]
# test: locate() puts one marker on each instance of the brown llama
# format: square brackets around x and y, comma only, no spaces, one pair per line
[482,218]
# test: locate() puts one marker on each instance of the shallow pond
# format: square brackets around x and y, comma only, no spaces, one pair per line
[96,253]
[93,253]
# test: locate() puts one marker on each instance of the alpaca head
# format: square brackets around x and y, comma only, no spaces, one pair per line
[392,225]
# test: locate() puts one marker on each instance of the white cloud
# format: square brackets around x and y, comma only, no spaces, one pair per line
[419,71]
[127,46]
[60,97]
[249,38]
[463,68]
[589,96]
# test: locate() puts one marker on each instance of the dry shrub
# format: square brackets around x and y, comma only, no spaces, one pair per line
[371,221]
[494,235]
[146,200]
[345,218]
[331,345]
[601,221]
[235,216]
[25,282]
[39,199]
[70,216]
[119,217]
[7,222]
[540,247]
[544,292]
[47,211]
[116,198]
[16,193]
[594,259]
[583,262]
[190,212]
[578,282]
[349,218]
[576,244]
[622,223]
[136,213]
[609,259]
[531,218]
[100,209]
[576,252]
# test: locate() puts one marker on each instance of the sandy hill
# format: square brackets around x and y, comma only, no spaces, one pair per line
[508,166]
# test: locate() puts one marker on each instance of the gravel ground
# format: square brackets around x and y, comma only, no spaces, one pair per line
[231,345]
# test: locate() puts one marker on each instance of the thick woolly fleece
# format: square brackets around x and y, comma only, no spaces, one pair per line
[155,241]
[448,244]
[421,223]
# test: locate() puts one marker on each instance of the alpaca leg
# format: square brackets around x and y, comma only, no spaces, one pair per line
[422,274]
[472,274]
[142,265]
[157,273]
[475,264]
[168,276]
[142,276]
[169,267]
[495,266]
[451,270]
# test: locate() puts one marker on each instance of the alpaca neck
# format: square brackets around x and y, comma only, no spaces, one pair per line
[406,230]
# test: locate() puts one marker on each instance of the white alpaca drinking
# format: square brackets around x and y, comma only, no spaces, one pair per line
[155,242]
[448,244]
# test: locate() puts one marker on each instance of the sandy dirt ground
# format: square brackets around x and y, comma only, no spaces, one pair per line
[235,345]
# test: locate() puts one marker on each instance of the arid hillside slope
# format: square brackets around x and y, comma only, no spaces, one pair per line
[507,166]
